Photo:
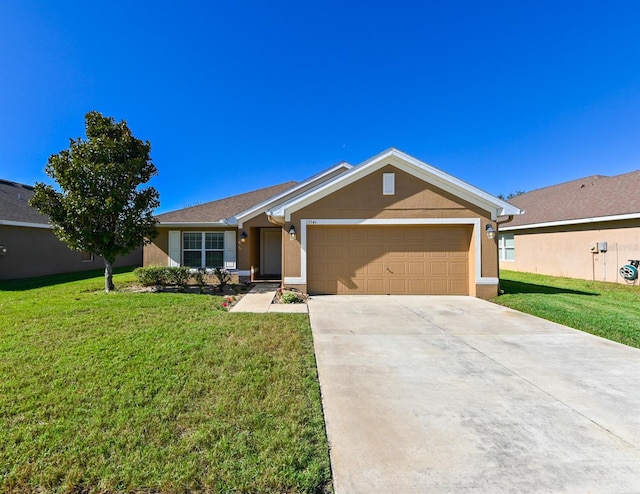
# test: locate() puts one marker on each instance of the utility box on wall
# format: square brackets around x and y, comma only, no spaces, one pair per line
[602,246]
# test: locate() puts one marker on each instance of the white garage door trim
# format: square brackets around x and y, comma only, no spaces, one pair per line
[302,279]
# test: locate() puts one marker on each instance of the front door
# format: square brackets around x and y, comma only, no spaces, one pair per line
[271,252]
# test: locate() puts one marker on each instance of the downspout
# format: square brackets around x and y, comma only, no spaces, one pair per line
[498,223]
[508,220]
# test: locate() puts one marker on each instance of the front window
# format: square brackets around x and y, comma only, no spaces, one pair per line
[203,249]
[507,247]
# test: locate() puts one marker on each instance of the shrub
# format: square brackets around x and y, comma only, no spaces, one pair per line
[152,275]
[289,297]
[224,277]
[178,275]
[199,277]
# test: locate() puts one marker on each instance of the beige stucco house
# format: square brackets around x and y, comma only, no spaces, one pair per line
[587,228]
[28,246]
[390,225]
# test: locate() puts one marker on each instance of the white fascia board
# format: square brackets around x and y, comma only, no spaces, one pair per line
[26,224]
[201,224]
[254,211]
[580,221]
[409,165]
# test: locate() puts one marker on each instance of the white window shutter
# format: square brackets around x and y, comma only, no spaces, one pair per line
[230,249]
[174,248]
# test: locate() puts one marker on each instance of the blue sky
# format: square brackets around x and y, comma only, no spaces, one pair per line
[236,95]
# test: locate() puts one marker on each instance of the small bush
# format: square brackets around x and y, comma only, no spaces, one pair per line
[289,297]
[178,275]
[152,275]
[163,275]
[224,277]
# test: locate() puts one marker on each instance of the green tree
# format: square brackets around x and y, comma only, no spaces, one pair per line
[511,195]
[100,206]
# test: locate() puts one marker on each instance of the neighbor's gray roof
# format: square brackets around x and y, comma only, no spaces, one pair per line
[589,197]
[221,209]
[14,204]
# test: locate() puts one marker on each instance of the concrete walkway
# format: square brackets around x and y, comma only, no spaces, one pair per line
[455,394]
[259,298]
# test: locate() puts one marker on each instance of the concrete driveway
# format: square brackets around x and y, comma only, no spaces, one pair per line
[455,394]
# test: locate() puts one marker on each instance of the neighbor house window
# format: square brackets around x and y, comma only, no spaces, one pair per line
[87,256]
[507,247]
[203,249]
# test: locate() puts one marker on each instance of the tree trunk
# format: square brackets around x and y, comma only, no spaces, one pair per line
[108,276]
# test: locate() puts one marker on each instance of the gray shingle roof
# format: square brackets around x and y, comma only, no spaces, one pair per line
[221,209]
[14,204]
[587,197]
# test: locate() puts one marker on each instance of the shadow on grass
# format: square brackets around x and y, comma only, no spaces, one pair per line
[23,284]
[511,287]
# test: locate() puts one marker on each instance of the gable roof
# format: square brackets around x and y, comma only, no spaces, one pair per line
[583,200]
[307,184]
[409,164]
[240,208]
[218,211]
[14,206]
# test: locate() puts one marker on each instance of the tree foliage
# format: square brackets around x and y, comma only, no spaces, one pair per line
[100,206]
[511,195]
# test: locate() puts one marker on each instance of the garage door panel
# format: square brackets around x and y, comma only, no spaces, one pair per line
[374,268]
[458,268]
[416,268]
[397,268]
[388,259]
[374,234]
[438,268]
[355,251]
[336,269]
[417,286]
[355,269]
[398,286]
[375,251]
[375,286]
[459,287]
[439,287]
[353,286]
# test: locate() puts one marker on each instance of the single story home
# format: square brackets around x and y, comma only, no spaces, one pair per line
[28,246]
[390,225]
[586,228]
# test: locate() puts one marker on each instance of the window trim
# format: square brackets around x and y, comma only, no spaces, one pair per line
[203,248]
[388,184]
[502,246]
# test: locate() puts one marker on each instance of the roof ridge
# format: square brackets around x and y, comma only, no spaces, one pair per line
[227,198]
[16,184]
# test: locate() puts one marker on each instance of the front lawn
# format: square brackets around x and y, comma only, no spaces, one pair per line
[609,310]
[153,392]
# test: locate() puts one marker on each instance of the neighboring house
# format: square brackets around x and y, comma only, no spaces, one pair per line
[28,246]
[391,225]
[587,228]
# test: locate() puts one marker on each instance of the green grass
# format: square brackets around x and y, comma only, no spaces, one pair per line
[153,392]
[609,310]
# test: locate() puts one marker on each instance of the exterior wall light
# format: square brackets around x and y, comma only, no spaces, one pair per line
[292,232]
[491,232]
[3,250]
[243,237]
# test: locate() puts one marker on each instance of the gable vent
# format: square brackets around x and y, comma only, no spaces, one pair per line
[388,184]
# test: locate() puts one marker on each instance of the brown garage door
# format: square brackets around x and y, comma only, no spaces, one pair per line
[431,260]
